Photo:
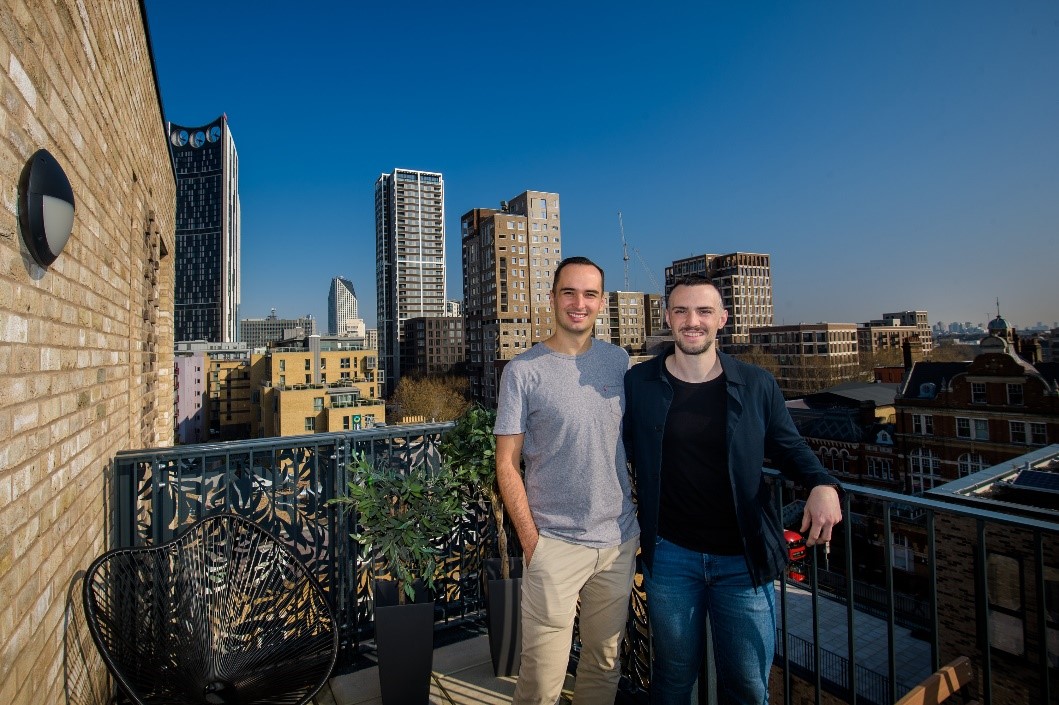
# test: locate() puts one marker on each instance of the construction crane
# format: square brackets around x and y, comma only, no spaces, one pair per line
[625,259]
[624,251]
[650,274]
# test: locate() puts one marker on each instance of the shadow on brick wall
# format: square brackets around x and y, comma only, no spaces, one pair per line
[85,675]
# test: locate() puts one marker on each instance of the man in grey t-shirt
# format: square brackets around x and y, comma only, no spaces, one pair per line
[560,410]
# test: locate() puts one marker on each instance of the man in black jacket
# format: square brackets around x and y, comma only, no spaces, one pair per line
[697,426]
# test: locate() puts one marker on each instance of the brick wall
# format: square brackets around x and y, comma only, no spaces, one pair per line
[86,346]
[1015,677]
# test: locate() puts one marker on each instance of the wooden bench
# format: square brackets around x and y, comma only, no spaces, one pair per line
[941,685]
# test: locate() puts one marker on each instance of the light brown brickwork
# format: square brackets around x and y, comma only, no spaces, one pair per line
[334,390]
[86,346]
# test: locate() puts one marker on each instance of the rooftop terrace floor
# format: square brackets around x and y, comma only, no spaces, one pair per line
[463,673]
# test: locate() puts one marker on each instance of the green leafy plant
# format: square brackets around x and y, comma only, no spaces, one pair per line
[401,516]
[470,449]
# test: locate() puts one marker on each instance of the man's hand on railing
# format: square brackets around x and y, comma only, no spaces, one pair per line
[822,511]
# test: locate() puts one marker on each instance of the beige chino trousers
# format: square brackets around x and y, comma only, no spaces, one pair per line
[557,576]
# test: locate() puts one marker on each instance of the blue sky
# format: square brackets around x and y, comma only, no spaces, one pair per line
[888,155]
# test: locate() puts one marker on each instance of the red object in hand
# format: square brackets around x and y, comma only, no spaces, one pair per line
[795,545]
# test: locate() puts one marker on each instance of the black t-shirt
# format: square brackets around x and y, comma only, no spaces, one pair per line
[696,509]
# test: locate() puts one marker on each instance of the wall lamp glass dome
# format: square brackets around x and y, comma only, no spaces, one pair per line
[45,207]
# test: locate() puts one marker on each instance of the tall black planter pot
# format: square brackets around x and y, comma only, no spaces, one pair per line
[503,609]
[404,642]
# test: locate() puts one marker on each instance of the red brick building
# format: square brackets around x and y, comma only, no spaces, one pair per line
[955,418]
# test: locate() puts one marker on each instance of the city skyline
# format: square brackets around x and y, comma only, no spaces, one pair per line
[886,157]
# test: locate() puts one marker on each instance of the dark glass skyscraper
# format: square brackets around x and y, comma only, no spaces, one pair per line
[206,302]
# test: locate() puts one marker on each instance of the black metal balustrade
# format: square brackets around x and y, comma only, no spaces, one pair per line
[948,593]
[962,602]
[284,484]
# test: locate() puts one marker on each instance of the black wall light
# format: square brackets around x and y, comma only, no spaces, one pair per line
[45,207]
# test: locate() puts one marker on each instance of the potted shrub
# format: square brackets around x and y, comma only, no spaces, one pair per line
[470,449]
[401,518]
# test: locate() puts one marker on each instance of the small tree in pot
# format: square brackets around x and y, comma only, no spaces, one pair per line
[402,516]
[470,449]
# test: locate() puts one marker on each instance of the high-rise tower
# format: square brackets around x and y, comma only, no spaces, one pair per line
[745,282]
[509,260]
[341,307]
[409,258]
[207,292]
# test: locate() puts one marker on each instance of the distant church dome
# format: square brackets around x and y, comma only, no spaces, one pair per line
[998,325]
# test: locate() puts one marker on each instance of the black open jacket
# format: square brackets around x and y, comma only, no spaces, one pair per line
[758,424]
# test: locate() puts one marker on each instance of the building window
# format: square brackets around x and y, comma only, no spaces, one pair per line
[969,463]
[978,429]
[1004,586]
[923,466]
[308,364]
[344,363]
[978,392]
[902,554]
[345,423]
[310,423]
[1015,394]
[981,429]
[880,468]
[318,403]
[923,424]
[282,365]
[1018,431]
[1038,434]
[837,460]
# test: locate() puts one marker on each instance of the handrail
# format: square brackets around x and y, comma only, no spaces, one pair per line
[160,488]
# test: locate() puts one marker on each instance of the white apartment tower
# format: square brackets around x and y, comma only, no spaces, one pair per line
[409,258]
[342,314]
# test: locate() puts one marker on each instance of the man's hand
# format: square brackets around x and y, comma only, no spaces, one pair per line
[513,491]
[822,511]
[527,551]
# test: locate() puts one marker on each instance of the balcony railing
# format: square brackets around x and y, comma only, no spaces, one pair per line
[285,484]
[981,583]
[956,600]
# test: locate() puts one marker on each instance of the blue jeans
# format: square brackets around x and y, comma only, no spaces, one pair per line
[683,587]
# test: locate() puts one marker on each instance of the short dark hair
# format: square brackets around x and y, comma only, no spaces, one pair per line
[576,260]
[694,280]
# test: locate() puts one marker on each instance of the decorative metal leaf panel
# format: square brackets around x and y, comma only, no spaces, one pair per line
[284,484]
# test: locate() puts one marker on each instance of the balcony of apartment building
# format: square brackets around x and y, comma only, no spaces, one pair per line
[355,402]
[906,584]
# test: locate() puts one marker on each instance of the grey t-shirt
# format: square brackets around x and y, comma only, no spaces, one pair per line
[570,408]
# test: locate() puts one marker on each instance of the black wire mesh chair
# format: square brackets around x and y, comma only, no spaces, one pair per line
[223,615]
